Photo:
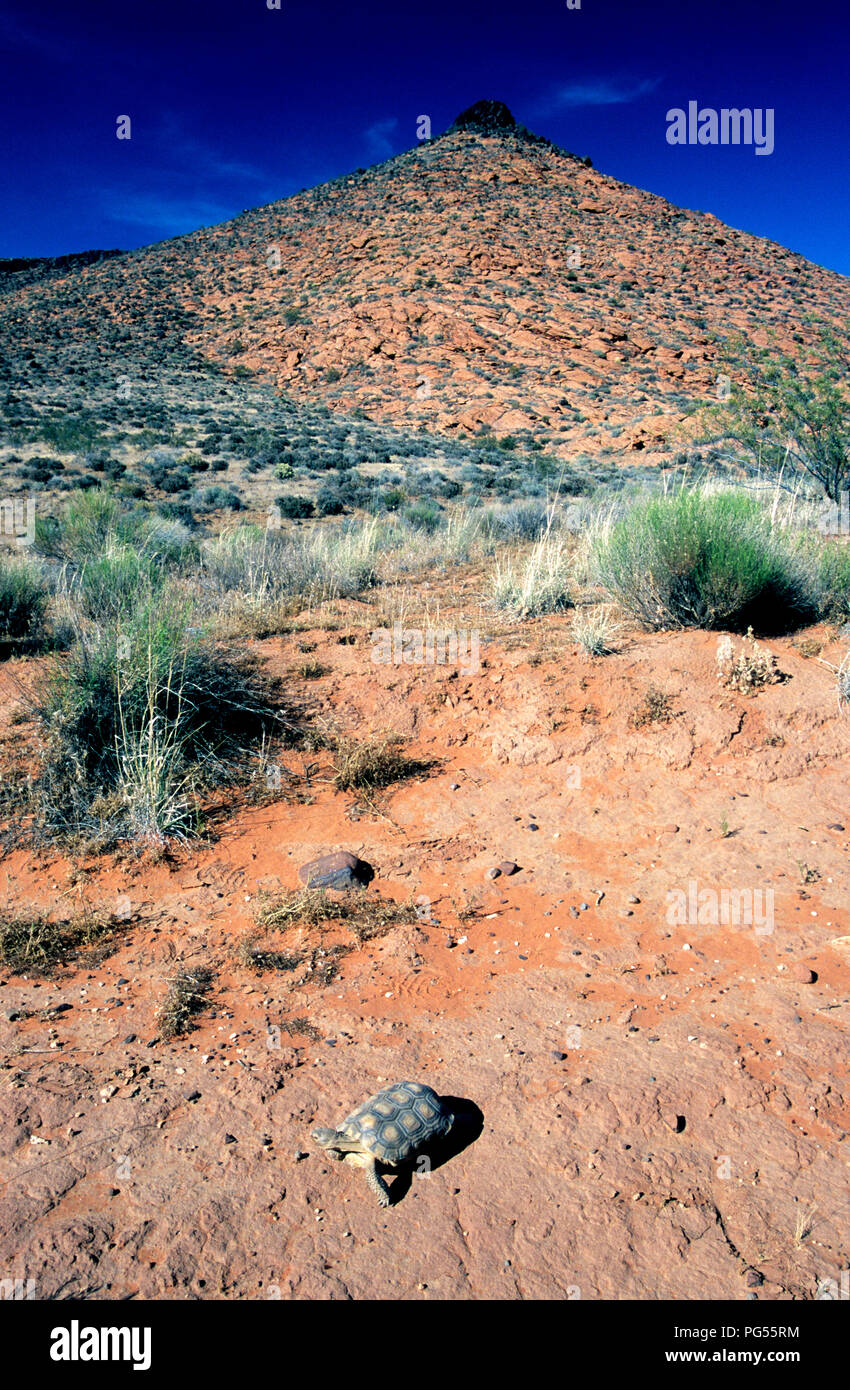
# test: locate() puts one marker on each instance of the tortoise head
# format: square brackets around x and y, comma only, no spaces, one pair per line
[324,1137]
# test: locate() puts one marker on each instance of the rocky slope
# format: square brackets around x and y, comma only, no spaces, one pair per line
[483,279]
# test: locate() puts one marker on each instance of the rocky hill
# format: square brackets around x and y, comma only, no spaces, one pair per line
[482,280]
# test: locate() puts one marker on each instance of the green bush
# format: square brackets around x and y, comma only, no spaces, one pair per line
[834,576]
[113,583]
[423,516]
[294,507]
[708,560]
[99,523]
[22,599]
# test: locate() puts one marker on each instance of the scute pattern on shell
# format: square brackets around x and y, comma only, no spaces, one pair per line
[398,1121]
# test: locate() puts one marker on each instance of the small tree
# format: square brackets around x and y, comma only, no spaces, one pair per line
[785,413]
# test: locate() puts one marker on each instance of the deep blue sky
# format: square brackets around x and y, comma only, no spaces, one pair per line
[234,105]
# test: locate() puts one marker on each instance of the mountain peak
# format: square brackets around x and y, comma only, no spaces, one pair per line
[487,117]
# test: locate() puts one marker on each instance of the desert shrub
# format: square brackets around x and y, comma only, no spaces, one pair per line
[91,521]
[187,996]
[110,584]
[329,503]
[214,499]
[176,481]
[255,576]
[423,516]
[701,559]
[519,521]
[37,945]
[368,766]
[140,712]
[294,507]
[833,564]
[23,599]
[787,416]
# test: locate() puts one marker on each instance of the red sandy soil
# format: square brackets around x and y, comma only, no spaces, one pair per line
[665,1107]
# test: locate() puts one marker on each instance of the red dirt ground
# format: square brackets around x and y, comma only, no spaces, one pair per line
[665,1107]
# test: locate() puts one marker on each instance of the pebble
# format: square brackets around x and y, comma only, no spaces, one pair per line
[802,973]
[495,872]
[508,867]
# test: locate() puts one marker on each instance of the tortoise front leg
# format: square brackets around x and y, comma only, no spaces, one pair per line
[375,1181]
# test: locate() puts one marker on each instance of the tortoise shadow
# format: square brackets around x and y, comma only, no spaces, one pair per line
[467,1127]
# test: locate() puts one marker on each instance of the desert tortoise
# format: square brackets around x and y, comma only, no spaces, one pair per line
[390,1127]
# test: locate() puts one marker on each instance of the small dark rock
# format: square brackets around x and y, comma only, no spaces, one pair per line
[754,1279]
[495,872]
[508,867]
[230,1139]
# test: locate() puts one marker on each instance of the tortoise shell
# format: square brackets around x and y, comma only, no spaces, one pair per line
[398,1121]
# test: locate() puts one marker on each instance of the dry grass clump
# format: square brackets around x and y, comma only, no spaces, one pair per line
[750,668]
[301,1027]
[537,583]
[142,712]
[594,630]
[187,996]
[366,917]
[655,708]
[33,943]
[370,765]
[253,953]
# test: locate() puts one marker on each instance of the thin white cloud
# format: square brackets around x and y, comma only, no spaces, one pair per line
[377,137]
[173,216]
[599,91]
